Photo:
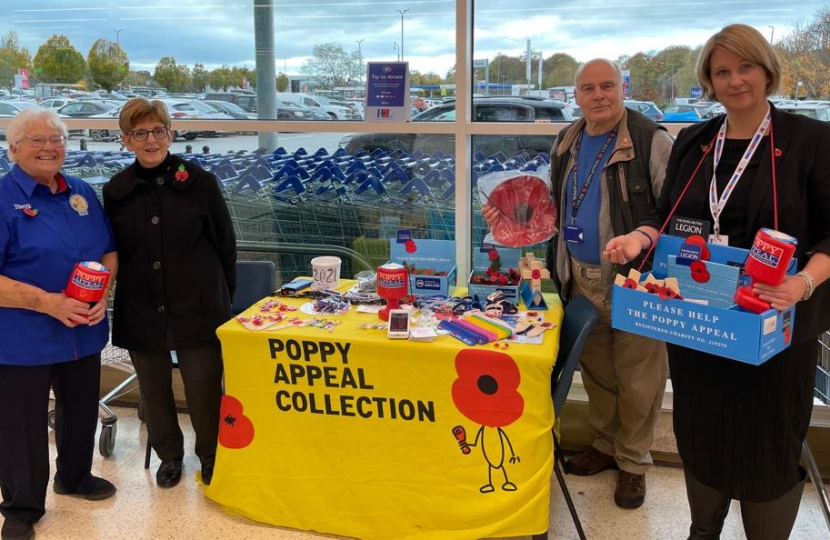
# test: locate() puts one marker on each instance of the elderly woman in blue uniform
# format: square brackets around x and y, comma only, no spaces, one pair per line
[176,279]
[48,223]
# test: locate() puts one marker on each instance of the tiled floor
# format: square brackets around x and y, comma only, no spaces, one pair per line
[141,511]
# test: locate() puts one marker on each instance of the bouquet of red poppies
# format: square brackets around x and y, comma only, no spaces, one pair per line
[526,209]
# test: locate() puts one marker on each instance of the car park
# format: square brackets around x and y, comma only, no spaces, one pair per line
[485,109]
[244,100]
[686,113]
[810,110]
[9,109]
[648,108]
[335,112]
[54,103]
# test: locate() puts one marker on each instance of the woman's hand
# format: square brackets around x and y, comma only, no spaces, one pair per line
[489,213]
[784,295]
[67,310]
[98,311]
[622,249]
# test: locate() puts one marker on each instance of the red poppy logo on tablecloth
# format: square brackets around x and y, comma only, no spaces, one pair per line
[181,174]
[487,392]
[235,429]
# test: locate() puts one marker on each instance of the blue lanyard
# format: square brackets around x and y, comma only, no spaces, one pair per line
[578,195]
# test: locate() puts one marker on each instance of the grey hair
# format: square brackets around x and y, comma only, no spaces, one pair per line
[20,124]
[613,65]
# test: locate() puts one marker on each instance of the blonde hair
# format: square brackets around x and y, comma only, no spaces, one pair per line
[20,124]
[745,42]
[139,109]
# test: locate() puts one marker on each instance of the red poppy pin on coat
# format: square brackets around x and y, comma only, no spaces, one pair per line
[31,212]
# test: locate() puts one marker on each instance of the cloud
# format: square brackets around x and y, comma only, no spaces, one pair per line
[216,32]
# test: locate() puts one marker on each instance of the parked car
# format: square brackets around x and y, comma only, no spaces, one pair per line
[54,103]
[335,112]
[811,110]
[302,112]
[231,109]
[245,101]
[485,109]
[9,109]
[648,108]
[686,113]
[85,109]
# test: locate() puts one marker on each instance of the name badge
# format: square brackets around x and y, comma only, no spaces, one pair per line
[685,227]
[573,234]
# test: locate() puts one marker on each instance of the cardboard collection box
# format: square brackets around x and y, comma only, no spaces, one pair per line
[431,264]
[481,262]
[729,332]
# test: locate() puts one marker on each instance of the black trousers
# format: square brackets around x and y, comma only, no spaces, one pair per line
[24,433]
[201,371]
[771,520]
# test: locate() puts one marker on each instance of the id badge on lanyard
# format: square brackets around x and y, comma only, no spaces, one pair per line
[717,204]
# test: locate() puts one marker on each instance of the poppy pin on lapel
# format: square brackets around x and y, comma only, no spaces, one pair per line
[31,212]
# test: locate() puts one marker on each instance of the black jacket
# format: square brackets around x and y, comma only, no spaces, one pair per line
[177,258]
[802,158]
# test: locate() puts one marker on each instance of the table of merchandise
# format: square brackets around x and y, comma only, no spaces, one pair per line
[343,431]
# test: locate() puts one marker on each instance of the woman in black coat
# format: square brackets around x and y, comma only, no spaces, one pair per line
[740,427]
[175,283]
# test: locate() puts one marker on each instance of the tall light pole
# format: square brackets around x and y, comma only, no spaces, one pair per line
[771,34]
[402,11]
[397,51]
[359,63]
[118,37]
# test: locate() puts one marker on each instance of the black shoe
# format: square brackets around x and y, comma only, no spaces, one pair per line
[18,529]
[169,473]
[207,474]
[91,489]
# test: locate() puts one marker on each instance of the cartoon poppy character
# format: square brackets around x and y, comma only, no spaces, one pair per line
[486,392]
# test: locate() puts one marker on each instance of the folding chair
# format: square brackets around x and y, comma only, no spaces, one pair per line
[254,281]
[580,317]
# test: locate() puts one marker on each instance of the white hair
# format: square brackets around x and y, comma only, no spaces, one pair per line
[612,65]
[23,120]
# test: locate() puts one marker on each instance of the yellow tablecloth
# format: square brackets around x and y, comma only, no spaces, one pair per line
[350,433]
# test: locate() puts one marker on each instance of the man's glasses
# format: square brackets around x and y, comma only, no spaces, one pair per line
[39,141]
[142,134]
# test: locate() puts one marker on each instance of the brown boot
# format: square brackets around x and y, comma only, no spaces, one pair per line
[590,462]
[631,490]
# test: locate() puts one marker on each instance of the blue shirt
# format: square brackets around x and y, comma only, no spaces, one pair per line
[42,250]
[587,217]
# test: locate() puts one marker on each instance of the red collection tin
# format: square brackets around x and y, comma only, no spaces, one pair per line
[88,282]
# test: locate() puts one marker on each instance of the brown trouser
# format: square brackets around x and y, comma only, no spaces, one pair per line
[624,376]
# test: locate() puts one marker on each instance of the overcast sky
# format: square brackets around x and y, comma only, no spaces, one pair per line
[217,32]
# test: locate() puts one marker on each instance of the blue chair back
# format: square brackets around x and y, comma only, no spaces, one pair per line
[580,317]
[254,281]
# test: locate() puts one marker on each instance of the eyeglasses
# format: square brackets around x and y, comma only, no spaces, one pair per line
[142,134]
[39,141]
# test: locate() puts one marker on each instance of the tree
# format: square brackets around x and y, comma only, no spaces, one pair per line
[12,58]
[331,66]
[221,77]
[108,64]
[57,61]
[170,75]
[200,77]
[559,70]
[645,75]
[282,82]
[138,78]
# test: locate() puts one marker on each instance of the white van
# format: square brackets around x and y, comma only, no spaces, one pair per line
[320,103]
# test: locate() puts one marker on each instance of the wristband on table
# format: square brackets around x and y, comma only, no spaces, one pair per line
[650,241]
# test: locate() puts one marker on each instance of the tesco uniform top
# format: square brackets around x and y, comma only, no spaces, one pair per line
[42,236]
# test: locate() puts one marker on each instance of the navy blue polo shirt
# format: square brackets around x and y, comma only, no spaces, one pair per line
[42,236]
